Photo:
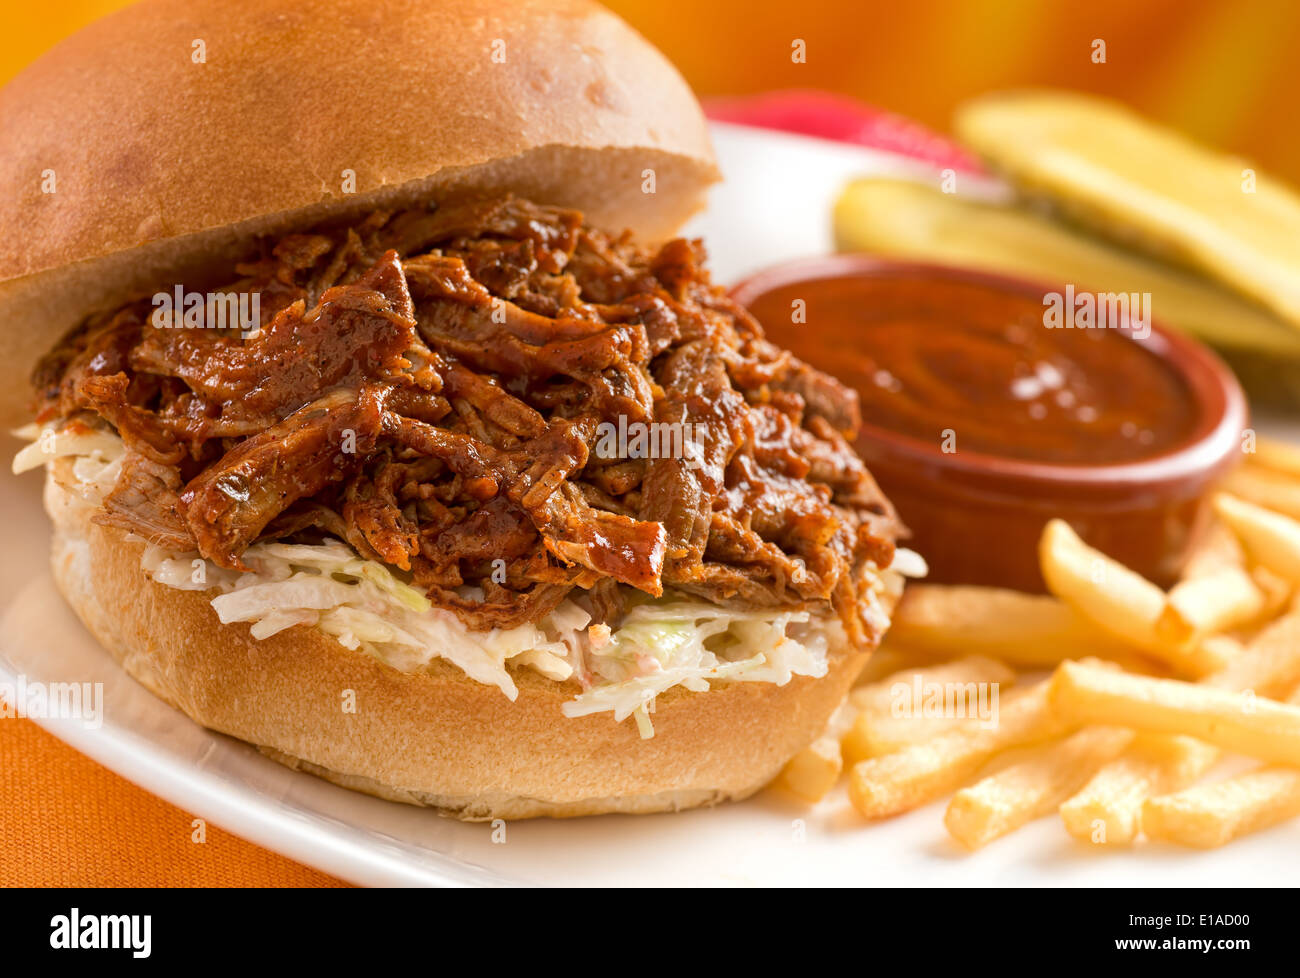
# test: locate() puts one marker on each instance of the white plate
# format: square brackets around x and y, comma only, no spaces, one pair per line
[776,205]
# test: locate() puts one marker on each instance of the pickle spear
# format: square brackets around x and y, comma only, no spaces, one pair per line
[909,220]
[1107,167]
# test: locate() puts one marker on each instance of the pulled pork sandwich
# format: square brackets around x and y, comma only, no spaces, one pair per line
[427,485]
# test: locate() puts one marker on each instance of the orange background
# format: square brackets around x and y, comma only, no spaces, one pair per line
[1225,71]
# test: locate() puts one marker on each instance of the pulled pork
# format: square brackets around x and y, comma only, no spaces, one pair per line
[435,386]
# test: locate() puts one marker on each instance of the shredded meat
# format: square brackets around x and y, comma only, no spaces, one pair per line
[440,386]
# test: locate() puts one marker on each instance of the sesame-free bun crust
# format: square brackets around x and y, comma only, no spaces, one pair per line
[436,738]
[164,166]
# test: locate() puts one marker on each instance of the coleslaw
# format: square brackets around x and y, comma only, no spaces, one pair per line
[660,643]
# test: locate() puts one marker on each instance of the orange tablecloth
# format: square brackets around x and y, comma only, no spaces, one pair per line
[67,821]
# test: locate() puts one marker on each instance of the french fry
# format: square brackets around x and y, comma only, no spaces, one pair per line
[901,709]
[892,657]
[874,734]
[814,770]
[1103,590]
[1003,802]
[1214,602]
[1276,589]
[1269,538]
[881,695]
[1279,456]
[1270,664]
[1023,629]
[1210,815]
[1219,547]
[1240,722]
[1224,649]
[1217,592]
[920,773]
[1277,491]
[1108,809]
[1116,599]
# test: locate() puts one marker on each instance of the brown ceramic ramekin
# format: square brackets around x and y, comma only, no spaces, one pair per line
[976,518]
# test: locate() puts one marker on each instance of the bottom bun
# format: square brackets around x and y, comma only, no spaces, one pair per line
[434,738]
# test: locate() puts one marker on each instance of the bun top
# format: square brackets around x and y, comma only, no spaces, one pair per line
[172,131]
[176,116]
